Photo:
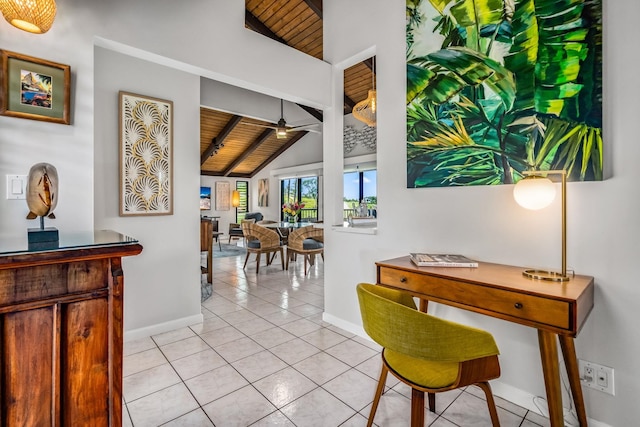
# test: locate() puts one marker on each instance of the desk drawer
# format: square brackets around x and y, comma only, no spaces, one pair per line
[520,307]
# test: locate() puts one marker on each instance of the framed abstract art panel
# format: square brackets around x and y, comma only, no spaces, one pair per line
[146,155]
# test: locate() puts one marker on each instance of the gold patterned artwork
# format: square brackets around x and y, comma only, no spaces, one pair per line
[146,136]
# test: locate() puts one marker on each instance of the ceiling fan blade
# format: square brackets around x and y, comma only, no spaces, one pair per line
[310,127]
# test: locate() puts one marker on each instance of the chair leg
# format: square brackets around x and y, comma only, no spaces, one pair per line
[491,403]
[288,256]
[282,257]
[258,262]
[376,397]
[245,260]
[305,263]
[417,408]
[432,402]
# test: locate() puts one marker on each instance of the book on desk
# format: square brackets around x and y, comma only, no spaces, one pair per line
[441,260]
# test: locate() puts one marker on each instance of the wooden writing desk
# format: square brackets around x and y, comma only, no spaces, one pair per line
[554,309]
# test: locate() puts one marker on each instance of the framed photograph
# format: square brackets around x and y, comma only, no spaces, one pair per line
[223,196]
[34,88]
[205,198]
[263,192]
[146,155]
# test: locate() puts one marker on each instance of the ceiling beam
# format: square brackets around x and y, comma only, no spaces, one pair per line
[316,6]
[231,175]
[253,23]
[348,104]
[218,140]
[254,145]
[369,63]
[294,138]
[315,113]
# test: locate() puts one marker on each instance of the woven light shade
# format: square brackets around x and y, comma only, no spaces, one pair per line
[365,111]
[34,16]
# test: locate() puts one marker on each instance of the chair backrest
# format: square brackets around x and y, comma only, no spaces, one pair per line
[297,236]
[390,318]
[268,238]
[257,216]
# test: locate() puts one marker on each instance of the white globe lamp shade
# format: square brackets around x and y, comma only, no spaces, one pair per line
[534,192]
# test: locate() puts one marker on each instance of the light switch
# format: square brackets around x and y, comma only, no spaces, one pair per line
[16,187]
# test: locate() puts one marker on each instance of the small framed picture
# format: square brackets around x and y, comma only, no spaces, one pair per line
[34,88]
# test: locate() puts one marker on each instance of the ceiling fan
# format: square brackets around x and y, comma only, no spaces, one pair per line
[281,127]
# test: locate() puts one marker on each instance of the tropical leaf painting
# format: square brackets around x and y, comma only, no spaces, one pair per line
[497,87]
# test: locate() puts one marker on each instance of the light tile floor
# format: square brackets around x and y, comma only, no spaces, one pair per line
[264,357]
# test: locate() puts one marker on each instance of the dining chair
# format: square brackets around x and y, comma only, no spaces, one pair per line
[261,240]
[307,241]
[235,229]
[427,353]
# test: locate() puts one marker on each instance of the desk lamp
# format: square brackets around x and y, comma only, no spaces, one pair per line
[535,192]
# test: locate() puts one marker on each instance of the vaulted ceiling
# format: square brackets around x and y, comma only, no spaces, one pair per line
[237,146]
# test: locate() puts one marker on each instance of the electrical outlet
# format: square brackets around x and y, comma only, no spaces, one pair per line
[596,376]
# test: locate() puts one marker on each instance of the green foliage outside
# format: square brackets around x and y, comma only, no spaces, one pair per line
[515,85]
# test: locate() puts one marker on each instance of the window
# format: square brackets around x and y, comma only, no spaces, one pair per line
[359,185]
[303,190]
[243,188]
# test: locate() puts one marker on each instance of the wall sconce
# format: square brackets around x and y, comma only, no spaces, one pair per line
[34,16]
[536,191]
[235,198]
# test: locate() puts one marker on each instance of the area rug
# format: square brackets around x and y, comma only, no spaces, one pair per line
[227,250]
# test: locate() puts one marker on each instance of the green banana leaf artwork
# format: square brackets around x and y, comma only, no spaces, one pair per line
[497,87]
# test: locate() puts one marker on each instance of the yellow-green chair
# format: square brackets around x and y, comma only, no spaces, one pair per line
[427,353]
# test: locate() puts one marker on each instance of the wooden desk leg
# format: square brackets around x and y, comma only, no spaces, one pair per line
[424,305]
[571,363]
[551,372]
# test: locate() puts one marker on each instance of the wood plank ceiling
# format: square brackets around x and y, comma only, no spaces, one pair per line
[228,145]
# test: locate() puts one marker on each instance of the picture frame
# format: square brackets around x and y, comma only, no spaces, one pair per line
[145,155]
[263,192]
[223,196]
[205,198]
[34,88]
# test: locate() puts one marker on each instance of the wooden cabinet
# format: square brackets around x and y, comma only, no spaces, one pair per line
[61,332]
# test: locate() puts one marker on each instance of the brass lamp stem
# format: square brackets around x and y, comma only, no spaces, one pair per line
[564,223]
[551,275]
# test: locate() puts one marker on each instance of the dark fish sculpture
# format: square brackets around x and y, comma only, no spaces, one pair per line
[42,190]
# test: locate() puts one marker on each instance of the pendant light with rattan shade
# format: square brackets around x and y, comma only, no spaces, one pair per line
[365,111]
[34,16]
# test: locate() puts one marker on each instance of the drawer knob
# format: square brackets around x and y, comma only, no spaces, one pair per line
[518,305]
[403,279]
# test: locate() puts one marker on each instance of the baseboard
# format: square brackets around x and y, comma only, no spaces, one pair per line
[505,391]
[347,326]
[159,328]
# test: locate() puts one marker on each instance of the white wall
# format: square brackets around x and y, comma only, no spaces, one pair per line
[481,222]
[209,39]
[69,148]
[163,283]
[485,222]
